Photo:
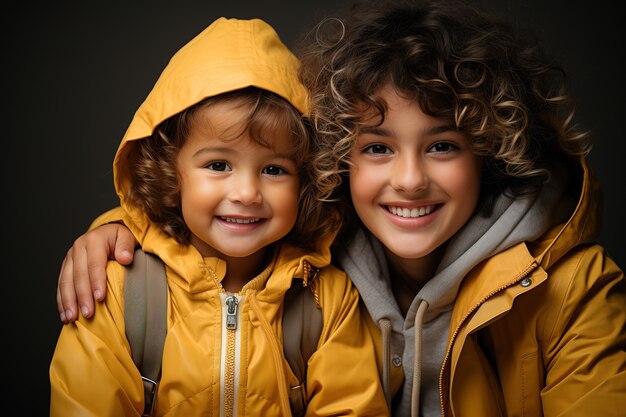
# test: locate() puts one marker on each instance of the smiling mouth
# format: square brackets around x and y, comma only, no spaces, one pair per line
[240,221]
[411,213]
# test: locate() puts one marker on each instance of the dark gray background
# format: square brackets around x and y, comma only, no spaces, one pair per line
[79,70]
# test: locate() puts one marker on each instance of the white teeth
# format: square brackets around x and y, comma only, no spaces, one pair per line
[414,212]
[240,221]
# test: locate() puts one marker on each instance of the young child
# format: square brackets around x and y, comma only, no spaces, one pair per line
[213,177]
[470,213]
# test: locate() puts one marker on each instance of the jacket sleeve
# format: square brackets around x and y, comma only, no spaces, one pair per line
[113,215]
[342,376]
[586,352]
[92,372]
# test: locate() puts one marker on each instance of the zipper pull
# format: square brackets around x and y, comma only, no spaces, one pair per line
[231,312]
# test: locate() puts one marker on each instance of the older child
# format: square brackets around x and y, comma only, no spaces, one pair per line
[470,213]
[449,139]
[213,177]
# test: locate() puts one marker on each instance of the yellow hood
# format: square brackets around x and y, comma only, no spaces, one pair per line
[230,54]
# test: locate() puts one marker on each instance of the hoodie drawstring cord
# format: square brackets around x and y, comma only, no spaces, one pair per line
[385,329]
[417,358]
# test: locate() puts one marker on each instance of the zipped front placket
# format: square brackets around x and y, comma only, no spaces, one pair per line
[230,358]
[442,398]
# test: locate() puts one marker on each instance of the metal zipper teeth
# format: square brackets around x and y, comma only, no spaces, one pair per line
[230,361]
[521,276]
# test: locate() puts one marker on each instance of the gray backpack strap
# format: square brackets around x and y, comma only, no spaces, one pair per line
[145,315]
[302,326]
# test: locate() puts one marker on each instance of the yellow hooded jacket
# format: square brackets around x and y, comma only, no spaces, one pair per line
[208,370]
[539,329]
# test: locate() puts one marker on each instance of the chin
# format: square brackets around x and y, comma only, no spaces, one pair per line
[240,253]
[408,250]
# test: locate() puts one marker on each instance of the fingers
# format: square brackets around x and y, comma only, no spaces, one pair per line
[90,272]
[125,245]
[107,242]
[66,296]
[83,272]
[82,269]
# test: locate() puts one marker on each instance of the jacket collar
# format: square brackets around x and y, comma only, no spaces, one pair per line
[582,226]
[531,259]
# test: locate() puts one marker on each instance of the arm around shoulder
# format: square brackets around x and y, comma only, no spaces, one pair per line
[92,372]
[82,277]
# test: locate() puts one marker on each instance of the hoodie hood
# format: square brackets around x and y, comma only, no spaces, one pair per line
[230,54]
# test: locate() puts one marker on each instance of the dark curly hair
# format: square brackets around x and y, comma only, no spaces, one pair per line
[491,81]
[155,182]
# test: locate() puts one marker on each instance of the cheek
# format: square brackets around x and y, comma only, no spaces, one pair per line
[464,182]
[286,202]
[363,182]
[196,193]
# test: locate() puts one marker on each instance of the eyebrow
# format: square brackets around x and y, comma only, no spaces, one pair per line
[211,149]
[376,130]
[201,151]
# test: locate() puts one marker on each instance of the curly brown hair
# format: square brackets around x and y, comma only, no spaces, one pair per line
[155,182]
[491,81]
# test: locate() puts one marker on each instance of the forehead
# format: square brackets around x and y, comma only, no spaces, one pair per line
[232,121]
[382,101]
[391,106]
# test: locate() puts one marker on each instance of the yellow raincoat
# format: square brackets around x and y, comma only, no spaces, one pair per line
[92,372]
[540,328]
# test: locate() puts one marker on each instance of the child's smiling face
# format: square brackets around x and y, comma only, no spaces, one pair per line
[237,196]
[414,180]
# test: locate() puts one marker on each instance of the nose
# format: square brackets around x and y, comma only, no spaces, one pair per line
[245,189]
[409,174]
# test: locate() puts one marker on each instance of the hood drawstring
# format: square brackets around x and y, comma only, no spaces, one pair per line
[385,329]
[417,358]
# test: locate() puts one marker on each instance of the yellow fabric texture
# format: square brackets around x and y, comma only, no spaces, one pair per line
[92,372]
[516,345]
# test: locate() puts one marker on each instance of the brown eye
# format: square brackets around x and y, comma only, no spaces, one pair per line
[377,148]
[274,170]
[443,147]
[218,166]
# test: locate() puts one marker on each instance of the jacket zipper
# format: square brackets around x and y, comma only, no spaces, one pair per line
[230,355]
[524,273]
